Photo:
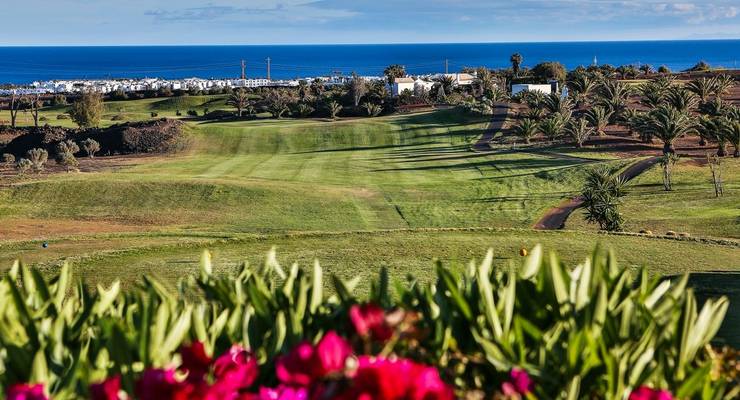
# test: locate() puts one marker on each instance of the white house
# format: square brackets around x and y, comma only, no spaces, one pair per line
[401,84]
[422,85]
[529,87]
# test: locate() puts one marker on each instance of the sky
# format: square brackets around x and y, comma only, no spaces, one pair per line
[187,22]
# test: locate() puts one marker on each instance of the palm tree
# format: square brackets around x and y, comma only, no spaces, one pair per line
[394,71]
[304,110]
[709,128]
[714,107]
[613,96]
[668,124]
[555,103]
[703,88]
[723,83]
[238,99]
[358,88]
[582,88]
[652,94]
[599,118]
[317,87]
[552,127]
[629,117]
[516,63]
[334,109]
[526,129]
[580,131]
[731,133]
[681,99]
[601,198]
[373,110]
[646,69]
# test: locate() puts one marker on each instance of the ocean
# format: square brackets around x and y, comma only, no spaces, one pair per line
[21,65]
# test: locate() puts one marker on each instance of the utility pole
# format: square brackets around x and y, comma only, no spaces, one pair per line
[447,66]
[268,68]
[244,70]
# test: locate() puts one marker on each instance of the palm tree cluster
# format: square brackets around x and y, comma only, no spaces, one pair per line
[601,196]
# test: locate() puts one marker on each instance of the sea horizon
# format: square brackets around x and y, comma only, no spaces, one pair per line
[26,64]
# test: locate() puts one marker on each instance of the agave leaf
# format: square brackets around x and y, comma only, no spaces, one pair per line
[317,287]
[532,264]
[486,294]
[177,333]
[206,265]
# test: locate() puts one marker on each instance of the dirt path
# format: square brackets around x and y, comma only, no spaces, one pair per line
[555,217]
[500,114]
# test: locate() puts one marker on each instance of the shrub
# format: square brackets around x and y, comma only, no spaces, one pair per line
[153,137]
[91,147]
[66,154]
[192,113]
[38,158]
[63,116]
[59,100]
[8,159]
[87,110]
[542,330]
[23,165]
[154,114]
[118,117]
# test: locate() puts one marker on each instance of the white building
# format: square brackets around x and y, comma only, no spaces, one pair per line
[422,85]
[529,87]
[401,84]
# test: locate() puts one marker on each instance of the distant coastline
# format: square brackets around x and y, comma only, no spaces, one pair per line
[23,65]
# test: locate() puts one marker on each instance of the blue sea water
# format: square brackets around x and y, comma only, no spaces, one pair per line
[26,64]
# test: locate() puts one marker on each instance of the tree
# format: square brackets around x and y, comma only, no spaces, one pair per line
[580,131]
[549,70]
[703,88]
[664,70]
[668,124]
[667,161]
[701,66]
[358,88]
[613,96]
[731,133]
[304,110]
[722,84]
[552,127]
[317,87]
[38,158]
[681,99]
[334,108]
[599,119]
[88,109]
[394,71]
[646,69]
[652,94]
[66,154]
[277,102]
[710,128]
[373,110]
[582,87]
[526,129]
[516,63]
[238,99]
[715,165]
[35,105]
[16,104]
[555,103]
[602,195]
[91,147]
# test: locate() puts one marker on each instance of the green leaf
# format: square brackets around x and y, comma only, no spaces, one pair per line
[532,264]
[317,287]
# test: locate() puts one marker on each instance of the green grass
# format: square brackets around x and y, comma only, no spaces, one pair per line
[691,207]
[356,254]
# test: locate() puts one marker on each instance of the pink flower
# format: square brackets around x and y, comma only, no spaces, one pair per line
[369,321]
[236,369]
[332,352]
[107,389]
[282,392]
[306,363]
[521,381]
[646,393]
[25,391]
[161,384]
[195,361]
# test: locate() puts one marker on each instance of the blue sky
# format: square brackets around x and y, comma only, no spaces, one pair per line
[112,22]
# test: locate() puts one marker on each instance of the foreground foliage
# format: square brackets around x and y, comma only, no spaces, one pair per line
[541,330]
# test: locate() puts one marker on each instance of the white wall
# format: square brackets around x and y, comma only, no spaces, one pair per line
[525,87]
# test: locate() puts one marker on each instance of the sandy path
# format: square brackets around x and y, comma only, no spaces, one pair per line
[555,218]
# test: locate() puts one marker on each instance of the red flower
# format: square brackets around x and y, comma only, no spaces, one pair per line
[107,389]
[369,321]
[646,393]
[25,391]
[281,392]
[236,369]
[160,384]
[306,363]
[380,378]
[195,361]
